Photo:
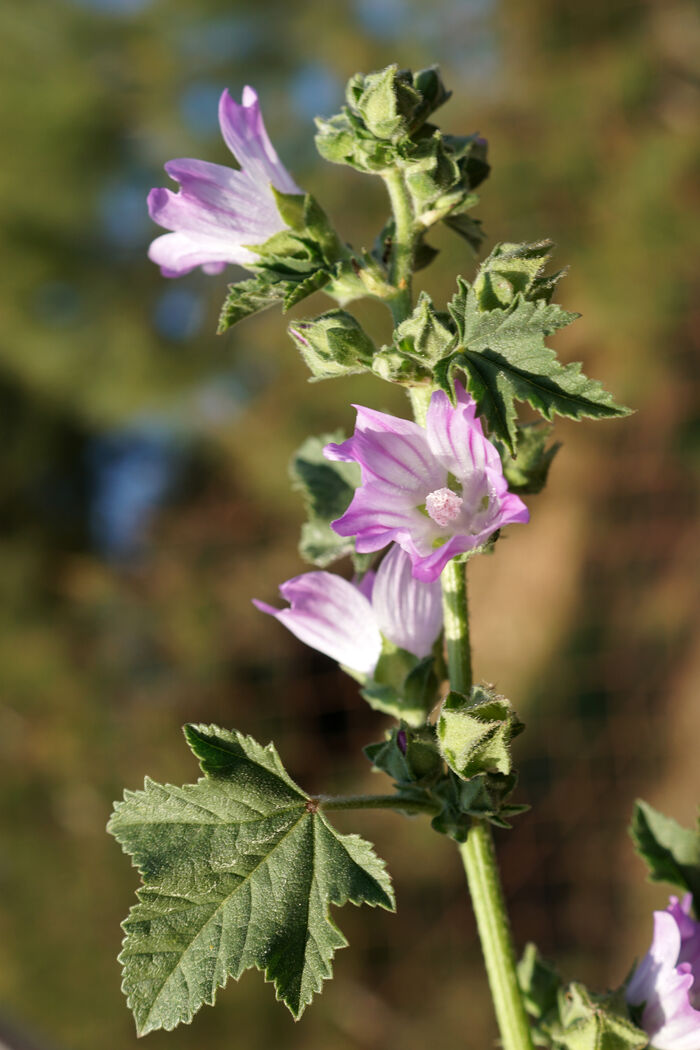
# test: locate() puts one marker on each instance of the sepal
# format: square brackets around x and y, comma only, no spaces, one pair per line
[333,344]
[403,685]
[484,797]
[475,731]
[408,755]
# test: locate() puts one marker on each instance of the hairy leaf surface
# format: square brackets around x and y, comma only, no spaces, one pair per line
[504,358]
[239,870]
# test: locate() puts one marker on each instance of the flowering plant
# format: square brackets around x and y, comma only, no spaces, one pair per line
[240,868]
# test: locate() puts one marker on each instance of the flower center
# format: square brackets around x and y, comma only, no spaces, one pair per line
[443,506]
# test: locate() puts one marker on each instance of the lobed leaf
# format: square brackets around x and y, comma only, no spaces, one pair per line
[504,358]
[239,870]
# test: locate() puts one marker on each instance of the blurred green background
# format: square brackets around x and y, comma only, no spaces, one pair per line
[144,500]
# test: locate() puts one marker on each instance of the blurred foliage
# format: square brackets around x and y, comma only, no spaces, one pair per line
[117,399]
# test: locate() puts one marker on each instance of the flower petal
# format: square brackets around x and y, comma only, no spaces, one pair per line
[330,615]
[455,436]
[244,133]
[378,508]
[392,450]
[408,613]
[178,253]
[662,955]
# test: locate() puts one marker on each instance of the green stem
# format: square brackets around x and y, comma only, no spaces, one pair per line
[401,263]
[477,852]
[456,619]
[377,802]
[494,932]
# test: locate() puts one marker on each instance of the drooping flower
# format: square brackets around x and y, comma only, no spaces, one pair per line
[217,210]
[437,490]
[347,621]
[667,980]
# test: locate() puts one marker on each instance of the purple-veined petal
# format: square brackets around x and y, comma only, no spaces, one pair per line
[184,214]
[437,491]
[664,981]
[330,615]
[219,214]
[408,612]
[178,253]
[377,509]
[390,449]
[366,584]
[455,436]
[244,133]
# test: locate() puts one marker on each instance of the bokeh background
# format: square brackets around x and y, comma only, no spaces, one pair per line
[144,499]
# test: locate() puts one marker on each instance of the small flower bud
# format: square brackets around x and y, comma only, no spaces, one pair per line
[333,344]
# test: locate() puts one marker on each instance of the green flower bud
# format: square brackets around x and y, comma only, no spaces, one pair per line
[333,344]
[474,732]
[386,102]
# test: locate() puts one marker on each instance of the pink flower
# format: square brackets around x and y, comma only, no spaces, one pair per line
[667,980]
[348,621]
[437,491]
[218,211]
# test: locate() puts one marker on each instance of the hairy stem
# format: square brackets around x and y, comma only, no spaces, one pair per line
[403,247]
[456,619]
[477,852]
[494,932]
[377,802]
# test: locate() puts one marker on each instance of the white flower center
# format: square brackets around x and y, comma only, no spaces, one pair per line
[443,506]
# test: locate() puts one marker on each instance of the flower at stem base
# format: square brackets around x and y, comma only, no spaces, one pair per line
[348,621]
[667,981]
[218,211]
[437,490]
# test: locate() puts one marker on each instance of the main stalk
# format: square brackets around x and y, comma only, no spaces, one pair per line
[477,852]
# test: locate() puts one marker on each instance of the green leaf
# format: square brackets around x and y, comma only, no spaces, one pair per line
[248,297]
[526,472]
[588,1022]
[475,731]
[671,852]
[327,486]
[239,870]
[504,357]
